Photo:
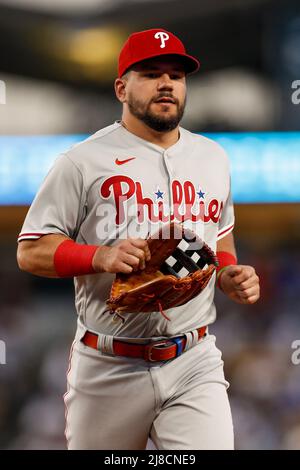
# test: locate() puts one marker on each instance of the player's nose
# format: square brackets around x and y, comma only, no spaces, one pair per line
[165,82]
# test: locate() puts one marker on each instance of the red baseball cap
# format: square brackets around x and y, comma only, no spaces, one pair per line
[153,43]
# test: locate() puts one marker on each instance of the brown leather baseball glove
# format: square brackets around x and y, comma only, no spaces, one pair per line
[171,277]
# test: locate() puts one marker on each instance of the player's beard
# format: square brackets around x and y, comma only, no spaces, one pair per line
[157,121]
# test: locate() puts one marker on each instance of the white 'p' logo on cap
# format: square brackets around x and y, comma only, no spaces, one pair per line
[163,38]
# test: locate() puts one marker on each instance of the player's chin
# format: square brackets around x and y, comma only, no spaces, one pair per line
[165,108]
[166,114]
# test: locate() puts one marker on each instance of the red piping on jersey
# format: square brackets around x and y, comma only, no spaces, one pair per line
[226,230]
[68,391]
[30,234]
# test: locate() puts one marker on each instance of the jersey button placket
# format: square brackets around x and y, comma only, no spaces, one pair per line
[169,170]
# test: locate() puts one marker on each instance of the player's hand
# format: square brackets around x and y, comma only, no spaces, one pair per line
[240,283]
[124,257]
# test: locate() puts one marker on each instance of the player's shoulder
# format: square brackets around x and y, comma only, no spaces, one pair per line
[99,139]
[205,144]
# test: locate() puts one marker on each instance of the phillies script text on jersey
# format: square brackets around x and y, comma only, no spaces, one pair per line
[184,205]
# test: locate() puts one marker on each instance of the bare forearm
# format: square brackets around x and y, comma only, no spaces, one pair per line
[37,256]
[227,244]
[58,256]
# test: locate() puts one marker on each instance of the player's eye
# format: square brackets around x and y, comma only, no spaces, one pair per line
[151,75]
[176,76]
[173,75]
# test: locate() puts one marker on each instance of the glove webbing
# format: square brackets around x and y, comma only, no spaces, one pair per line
[184,259]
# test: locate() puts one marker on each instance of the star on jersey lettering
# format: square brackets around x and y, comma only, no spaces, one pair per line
[200,194]
[159,194]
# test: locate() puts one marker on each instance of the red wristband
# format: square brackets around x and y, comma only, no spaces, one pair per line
[72,259]
[225,259]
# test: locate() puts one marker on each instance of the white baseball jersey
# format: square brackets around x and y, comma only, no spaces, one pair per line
[115,185]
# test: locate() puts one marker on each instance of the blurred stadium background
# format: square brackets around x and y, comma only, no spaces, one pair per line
[58,62]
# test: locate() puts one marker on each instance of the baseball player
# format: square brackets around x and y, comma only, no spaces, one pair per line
[135,375]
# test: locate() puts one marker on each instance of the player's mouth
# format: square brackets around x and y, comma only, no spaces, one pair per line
[165,99]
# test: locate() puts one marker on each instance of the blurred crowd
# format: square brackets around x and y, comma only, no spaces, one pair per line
[38,322]
[257,344]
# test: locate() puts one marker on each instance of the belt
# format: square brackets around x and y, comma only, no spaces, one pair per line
[153,351]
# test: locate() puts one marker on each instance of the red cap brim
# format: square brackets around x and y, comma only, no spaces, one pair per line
[191,64]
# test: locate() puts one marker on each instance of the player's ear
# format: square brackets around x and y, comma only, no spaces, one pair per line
[120,88]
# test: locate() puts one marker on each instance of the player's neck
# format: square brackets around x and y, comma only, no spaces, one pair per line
[137,127]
